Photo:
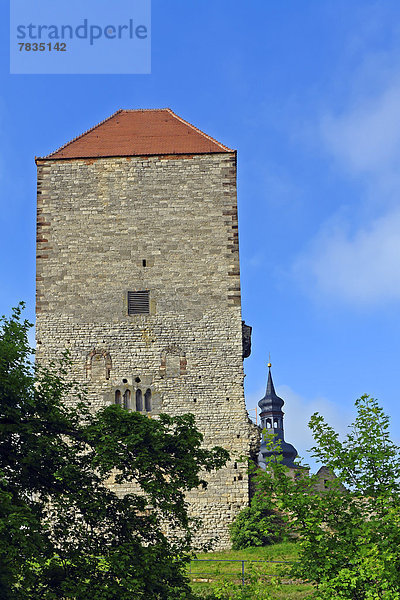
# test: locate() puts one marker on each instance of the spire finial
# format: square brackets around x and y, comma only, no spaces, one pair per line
[269,361]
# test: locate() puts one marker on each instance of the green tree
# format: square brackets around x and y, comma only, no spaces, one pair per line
[257,524]
[349,539]
[63,534]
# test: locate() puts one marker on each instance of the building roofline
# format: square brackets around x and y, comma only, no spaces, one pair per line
[122,110]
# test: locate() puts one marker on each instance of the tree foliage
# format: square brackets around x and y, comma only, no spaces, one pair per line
[349,538]
[257,524]
[63,533]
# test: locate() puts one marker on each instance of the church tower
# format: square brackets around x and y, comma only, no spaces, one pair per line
[138,276]
[271,416]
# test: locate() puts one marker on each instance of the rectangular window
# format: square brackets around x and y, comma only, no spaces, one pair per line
[139,303]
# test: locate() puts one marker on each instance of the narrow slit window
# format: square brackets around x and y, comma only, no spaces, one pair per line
[139,303]
[139,401]
[127,400]
[147,400]
[118,397]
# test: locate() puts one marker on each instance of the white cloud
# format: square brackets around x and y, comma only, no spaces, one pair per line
[298,411]
[359,264]
[366,138]
[362,268]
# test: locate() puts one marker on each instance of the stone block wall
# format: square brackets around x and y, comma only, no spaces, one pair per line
[168,225]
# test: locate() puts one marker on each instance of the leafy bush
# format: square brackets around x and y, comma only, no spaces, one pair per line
[257,525]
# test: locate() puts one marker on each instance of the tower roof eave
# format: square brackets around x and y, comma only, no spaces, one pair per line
[150,132]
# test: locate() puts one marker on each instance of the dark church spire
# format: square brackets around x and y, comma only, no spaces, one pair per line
[270,384]
[271,416]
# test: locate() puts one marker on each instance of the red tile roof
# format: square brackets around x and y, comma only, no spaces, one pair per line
[139,133]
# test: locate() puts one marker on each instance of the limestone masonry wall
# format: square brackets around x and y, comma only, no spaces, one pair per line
[168,225]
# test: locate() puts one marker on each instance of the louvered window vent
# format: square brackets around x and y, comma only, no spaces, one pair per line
[138,303]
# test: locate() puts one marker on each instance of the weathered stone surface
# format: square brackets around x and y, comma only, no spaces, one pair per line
[98,221]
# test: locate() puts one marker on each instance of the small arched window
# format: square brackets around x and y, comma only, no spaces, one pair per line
[147,400]
[118,397]
[127,399]
[139,401]
[268,423]
[98,365]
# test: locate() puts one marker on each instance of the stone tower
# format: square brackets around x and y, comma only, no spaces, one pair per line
[271,417]
[138,276]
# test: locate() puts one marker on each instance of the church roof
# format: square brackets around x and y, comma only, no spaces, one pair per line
[271,401]
[139,133]
[271,409]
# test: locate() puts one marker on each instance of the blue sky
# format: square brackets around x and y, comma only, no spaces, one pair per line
[309,94]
